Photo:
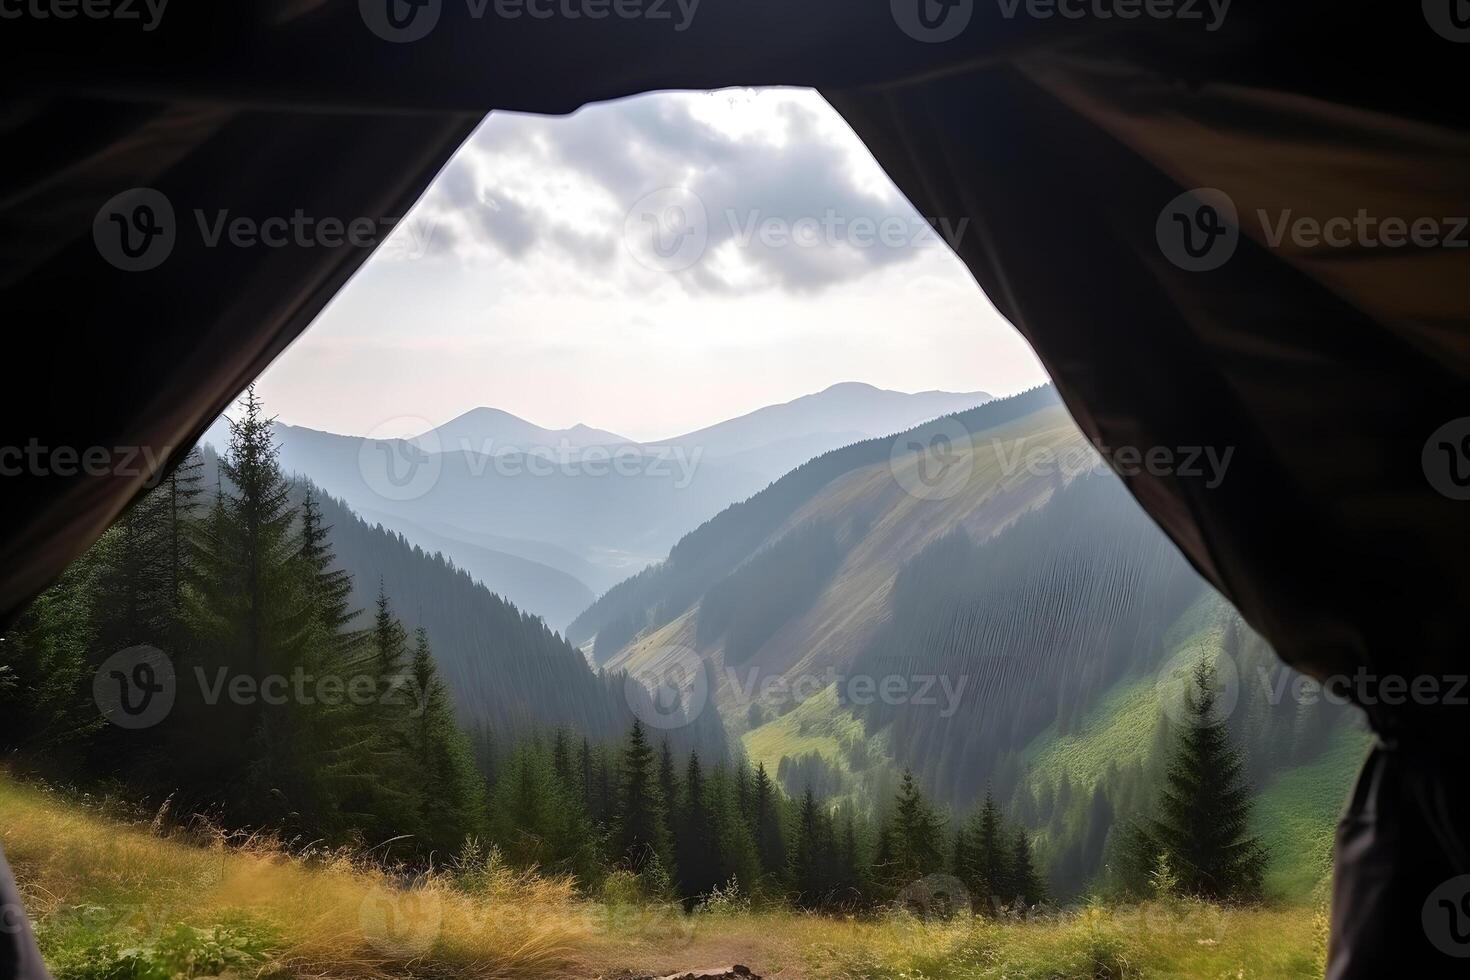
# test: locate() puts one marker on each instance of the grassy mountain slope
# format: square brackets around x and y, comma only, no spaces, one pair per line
[1053,609]
[1300,794]
[1297,813]
[711,551]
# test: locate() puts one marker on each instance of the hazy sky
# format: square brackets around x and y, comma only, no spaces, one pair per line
[528,278]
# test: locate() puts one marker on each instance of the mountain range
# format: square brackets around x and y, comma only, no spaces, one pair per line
[550,518]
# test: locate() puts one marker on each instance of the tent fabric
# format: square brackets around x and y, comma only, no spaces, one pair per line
[1324,370]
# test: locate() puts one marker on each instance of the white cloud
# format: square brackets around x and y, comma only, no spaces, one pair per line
[526,295]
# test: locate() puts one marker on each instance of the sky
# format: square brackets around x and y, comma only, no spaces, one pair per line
[649,266]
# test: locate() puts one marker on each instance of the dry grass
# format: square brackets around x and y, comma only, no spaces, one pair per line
[324,914]
[121,900]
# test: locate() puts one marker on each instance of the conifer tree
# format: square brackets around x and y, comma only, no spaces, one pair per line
[912,842]
[452,796]
[535,823]
[389,643]
[329,588]
[638,833]
[247,615]
[1024,879]
[734,851]
[1202,821]
[180,492]
[850,882]
[585,780]
[810,857]
[745,793]
[986,868]
[695,840]
[130,597]
[561,764]
[770,842]
[668,787]
[45,676]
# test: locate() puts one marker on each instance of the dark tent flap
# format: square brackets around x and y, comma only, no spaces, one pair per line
[1063,139]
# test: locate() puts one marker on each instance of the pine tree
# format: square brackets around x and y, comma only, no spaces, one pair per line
[452,796]
[45,676]
[258,529]
[246,611]
[668,786]
[697,848]
[1024,878]
[638,832]
[561,762]
[810,856]
[130,598]
[735,859]
[912,842]
[850,884]
[986,869]
[329,588]
[389,643]
[584,779]
[180,493]
[536,822]
[1203,814]
[770,842]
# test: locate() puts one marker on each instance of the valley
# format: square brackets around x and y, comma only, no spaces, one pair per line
[951,664]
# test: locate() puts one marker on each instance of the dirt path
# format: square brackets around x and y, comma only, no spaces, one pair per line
[735,972]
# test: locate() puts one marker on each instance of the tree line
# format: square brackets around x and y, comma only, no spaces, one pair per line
[238,581]
[687,829]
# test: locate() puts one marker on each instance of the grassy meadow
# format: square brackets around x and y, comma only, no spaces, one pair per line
[114,895]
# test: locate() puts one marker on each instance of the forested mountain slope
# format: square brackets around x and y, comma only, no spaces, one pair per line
[1026,622]
[506,670]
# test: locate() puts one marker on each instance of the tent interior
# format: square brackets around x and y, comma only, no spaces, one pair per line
[1059,138]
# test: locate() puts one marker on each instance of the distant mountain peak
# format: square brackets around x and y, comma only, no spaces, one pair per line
[843,411]
[493,429]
